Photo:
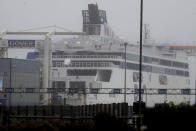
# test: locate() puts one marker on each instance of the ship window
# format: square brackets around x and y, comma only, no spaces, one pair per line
[77,64]
[180,73]
[84,64]
[81,72]
[178,64]
[130,66]
[59,63]
[155,60]
[116,62]
[73,64]
[77,86]
[185,91]
[95,64]
[104,75]
[54,63]
[58,84]
[170,71]
[162,91]
[132,57]
[186,66]
[163,80]
[187,73]
[147,59]
[88,64]
[165,62]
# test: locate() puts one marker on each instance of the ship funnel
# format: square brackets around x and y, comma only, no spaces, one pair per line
[95,21]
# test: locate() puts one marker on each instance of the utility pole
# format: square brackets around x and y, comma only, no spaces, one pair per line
[140,64]
[10,81]
[125,81]
[195,90]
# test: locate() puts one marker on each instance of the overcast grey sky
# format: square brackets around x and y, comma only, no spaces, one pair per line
[170,20]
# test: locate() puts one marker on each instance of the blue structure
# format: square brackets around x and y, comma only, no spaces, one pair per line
[20,74]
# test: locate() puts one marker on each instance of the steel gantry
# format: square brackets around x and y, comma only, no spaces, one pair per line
[47,54]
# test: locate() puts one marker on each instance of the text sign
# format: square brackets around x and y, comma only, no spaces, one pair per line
[21,43]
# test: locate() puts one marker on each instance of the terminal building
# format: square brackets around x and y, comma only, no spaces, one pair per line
[20,76]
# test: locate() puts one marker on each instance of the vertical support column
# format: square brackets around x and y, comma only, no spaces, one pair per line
[46,65]
[125,80]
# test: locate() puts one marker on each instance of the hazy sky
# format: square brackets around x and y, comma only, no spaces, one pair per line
[170,20]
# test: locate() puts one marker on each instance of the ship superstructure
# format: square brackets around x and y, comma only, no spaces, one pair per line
[93,68]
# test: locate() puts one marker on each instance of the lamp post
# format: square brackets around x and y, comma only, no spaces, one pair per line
[125,80]
[140,63]
[10,81]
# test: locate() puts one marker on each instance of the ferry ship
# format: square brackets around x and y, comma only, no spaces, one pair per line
[92,68]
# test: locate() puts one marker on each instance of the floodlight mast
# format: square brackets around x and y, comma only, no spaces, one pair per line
[140,64]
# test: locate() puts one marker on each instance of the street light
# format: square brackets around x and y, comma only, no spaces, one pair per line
[125,81]
[140,64]
[10,81]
